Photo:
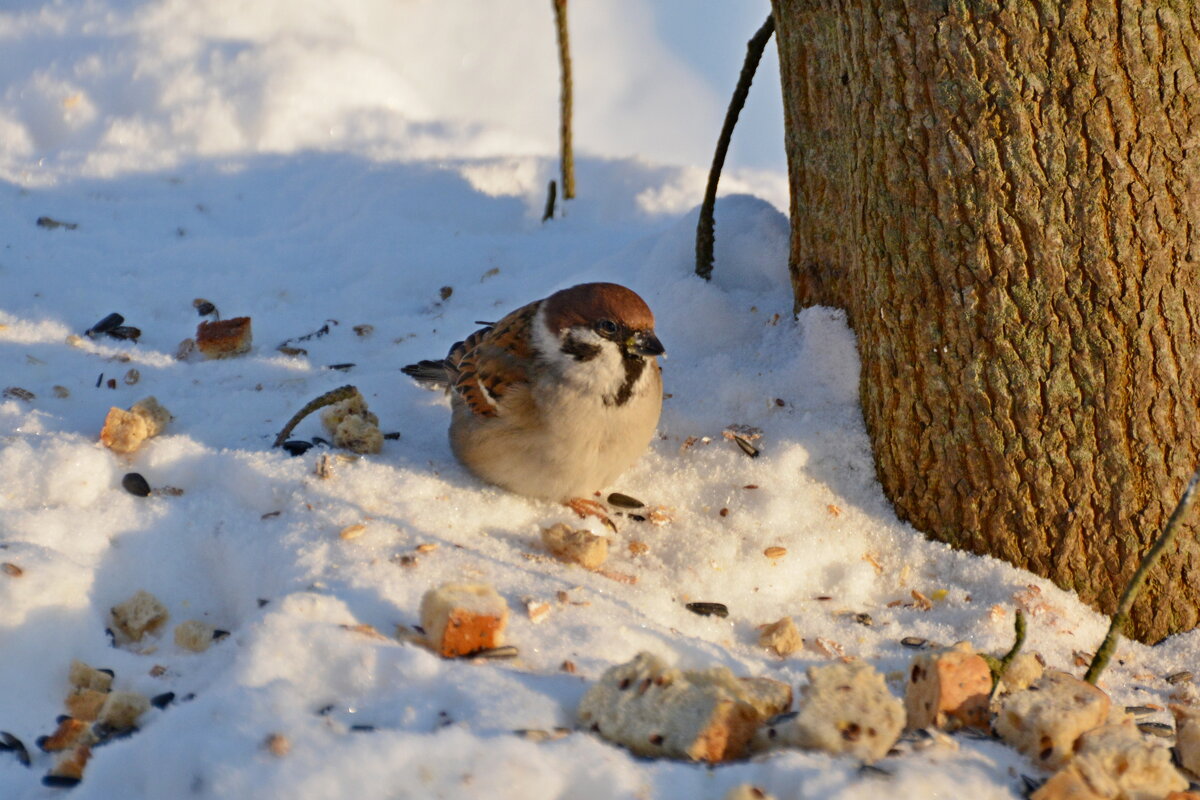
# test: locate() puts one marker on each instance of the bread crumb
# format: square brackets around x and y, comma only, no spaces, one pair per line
[224,338]
[81,676]
[575,546]
[139,615]
[460,619]
[195,635]
[122,709]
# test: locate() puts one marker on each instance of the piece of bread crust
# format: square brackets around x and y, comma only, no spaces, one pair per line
[781,637]
[139,615]
[1046,720]
[580,547]
[224,338]
[845,708]
[658,711]
[460,619]
[948,689]
[81,676]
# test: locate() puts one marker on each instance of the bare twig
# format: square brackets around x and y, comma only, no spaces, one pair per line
[329,398]
[1121,615]
[564,60]
[704,229]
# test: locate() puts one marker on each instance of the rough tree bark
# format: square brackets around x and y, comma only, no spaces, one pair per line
[1005,197]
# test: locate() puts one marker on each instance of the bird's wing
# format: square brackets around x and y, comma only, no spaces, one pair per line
[489,363]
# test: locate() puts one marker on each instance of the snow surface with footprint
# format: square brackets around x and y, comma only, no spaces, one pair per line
[201,154]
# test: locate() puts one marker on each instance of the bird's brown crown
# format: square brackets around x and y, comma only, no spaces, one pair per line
[588,302]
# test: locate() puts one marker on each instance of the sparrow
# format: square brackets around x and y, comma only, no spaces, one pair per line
[559,397]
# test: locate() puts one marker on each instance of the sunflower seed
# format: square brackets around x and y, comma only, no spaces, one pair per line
[135,484]
[1179,677]
[1140,711]
[10,742]
[105,325]
[12,570]
[1156,729]
[162,700]
[708,609]
[296,447]
[132,377]
[17,393]
[59,781]
[624,501]
[745,445]
[914,641]
[125,332]
[203,307]
[502,652]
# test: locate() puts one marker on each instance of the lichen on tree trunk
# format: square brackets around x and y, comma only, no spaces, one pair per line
[1004,198]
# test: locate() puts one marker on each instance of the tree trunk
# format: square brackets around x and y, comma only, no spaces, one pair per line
[1005,197]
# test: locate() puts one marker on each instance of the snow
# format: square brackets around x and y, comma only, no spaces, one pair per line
[309,164]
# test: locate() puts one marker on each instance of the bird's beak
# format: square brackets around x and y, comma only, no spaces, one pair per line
[646,344]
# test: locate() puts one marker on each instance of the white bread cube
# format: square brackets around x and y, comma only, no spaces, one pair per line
[844,708]
[1115,762]
[782,637]
[139,615]
[948,690]
[81,676]
[460,619]
[195,635]
[1187,735]
[1045,720]
[1022,672]
[657,711]
[575,546]
[352,426]
[122,709]
[124,431]
[85,704]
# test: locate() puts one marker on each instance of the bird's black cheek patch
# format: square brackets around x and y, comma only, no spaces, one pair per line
[633,371]
[579,350]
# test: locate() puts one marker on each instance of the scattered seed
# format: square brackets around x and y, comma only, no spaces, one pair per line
[1140,711]
[833,510]
[105,325]
[871,769]
[60,781]
[157,671]
[12,570]
[219,634]
[127,332]
[923,602]
[296,447]
[292,351]
[779,402]
[745,445]
[49,223]
[708,609]
[445,292]
[17,393]
[1156,729]
[724,512]
[341,367]
[61,392]
[405,561]
[132,377]
[637,548]
[864,619]
[364,330]
[497,653]
[203,307]
[823,597]
[99,380]
[277,745]
[624,501]
[12,743]
[568,667]
[750,486]
[169,491]
[352,531]
[362,728]
[914,641]
[1179,677]
[392,435]
[775,552]
[637,517]
[135,484]
[162,700]
[111,383]
[271,515]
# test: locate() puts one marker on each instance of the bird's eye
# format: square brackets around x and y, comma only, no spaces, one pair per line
[606,327]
